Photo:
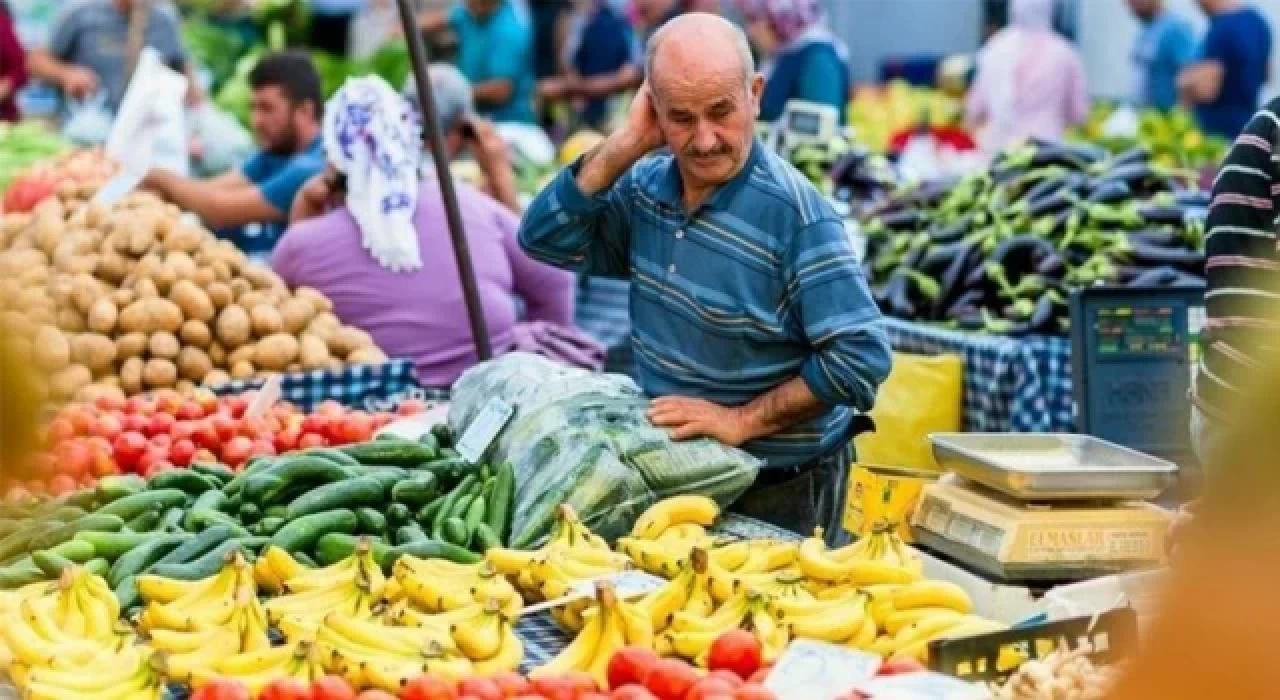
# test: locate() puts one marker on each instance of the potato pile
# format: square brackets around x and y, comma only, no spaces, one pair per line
[133,298]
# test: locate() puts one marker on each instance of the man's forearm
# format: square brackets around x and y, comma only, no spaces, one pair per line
[605,163]
[492,92]
[610,84]
[44,66]
[786,405]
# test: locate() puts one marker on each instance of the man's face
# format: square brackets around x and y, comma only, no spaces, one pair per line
[274,119]
[709,124]
[482,8]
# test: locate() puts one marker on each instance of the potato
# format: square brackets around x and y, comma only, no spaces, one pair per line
[68,381]
[163,345]
[17,324]
[159,373]
[239,288]
[195,334]
[193,301]
[164,277]
[131,345]
[261,277]
[123,297]
[266,320]
[102,316]
[182,264]
[233,329]
[165,315]
[146,288]
[215,378]
[85,292]
[295,315]
[131,375]
[347,340]
[367,355]
[204,277]
[220,294]
[97,352]
[313,353]
[142,233]
[99,390]
[217,355]
[276,352]
[253,298]
[244,353]
[193,364]
[221,271]
[317,300]
[22,349]
[242,370]
[52,350]
[70,321]
[184,238]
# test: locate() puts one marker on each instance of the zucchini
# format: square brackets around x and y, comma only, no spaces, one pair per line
[141,557]
[98,522]
[98,566]
[426,515]
[113,545]
[303,533]
[117,486]
[455,532]
[450,469]
[204,519]
[130,507]
[474,518]
[84,499]
[251,468]
[269,526]
[249,513]
[127,593]
[398,514]
[208,501]
[171,520]
[16,543]
[213,470]
[371,522]
[335,546]
[333,455]
[388,477]
[458,509]
[20,573]
[446,508]
[396,453]
[430,440]
[53,560]
[416,491]
[145,522]
[198,545]
[348,493]
[275,511]
[186,480]
[430,549]
[498,515]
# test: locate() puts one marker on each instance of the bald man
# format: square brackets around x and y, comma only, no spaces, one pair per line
[752,323]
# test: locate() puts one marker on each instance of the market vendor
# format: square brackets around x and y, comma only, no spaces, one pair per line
[376,242]
[752,322]
[805,60]
[88,49]
[251,206]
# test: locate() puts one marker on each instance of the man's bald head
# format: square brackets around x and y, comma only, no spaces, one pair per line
[698,46]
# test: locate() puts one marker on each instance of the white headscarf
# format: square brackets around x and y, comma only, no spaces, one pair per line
[372,136]
[1008,63]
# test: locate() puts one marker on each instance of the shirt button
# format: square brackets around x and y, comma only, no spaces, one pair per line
[680,233]
[671,268]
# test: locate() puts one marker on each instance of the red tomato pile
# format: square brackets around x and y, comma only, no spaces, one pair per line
[41,181]
[163,430]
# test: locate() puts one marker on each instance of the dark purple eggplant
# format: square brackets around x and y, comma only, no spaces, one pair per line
[1135,155]
[954,231]
[1159,214]
[1142,178]
[1063,155]
[1166,277]
[1060,199]
[1044,188]
[950,282]
[1108,192]
[1158,256]
[1052,267]
[1193,199]
[971,300]
[906,220]
[1021,255]
[1163,237]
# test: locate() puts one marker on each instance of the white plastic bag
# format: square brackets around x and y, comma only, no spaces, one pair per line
[88,122]
[224,143]
[150,128]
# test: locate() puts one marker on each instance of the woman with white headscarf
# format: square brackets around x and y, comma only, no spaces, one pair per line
[1030,82]
[371,234]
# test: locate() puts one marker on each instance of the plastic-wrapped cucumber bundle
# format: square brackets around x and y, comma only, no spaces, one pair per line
[582,438]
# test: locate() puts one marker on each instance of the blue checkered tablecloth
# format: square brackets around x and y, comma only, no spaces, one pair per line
[1020,385]
[372,387]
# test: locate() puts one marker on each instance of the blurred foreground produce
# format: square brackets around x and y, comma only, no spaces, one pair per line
[878,113]
[73,177]
[22,145]
[1172,137]
[999,251]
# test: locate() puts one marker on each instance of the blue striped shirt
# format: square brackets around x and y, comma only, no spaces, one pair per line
[758,286]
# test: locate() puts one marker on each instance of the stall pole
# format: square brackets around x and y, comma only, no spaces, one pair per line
[461,251]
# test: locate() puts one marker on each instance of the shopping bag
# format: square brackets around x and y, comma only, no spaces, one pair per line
[150,130]
[923,394]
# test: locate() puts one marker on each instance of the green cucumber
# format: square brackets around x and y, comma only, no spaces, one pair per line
[371,522]
[53,560]
[459,507]
[186,480]
[97,567]
[397,453]
[116,486]
[305,559]
[172,519]
[443,435]
[483,538]
[348,493]
[275,511]
[113,545]
[426,515]
[398,514]
[51,563]
[335,546]
[455,532]
[209,501]
[417,491]
[449,453]
[333,455]
[269,526]
[475,514]
[84,499]
[16,543]
[130,507]
[410,533]
[249,513]
[141,557]
[303,533]
[501,501]
[430,549]
[20,573]
[213,470]
[253,467]
[198,545]
[450,469]
[265,487]
[211,562]
[145,522]
[127,593]
[446,508]
[98,522]
[388,476]
[429,439]
[204,519]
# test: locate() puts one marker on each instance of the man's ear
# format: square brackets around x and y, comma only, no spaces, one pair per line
[757,90]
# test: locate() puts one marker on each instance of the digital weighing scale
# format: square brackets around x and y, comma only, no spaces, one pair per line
[1043,509]
[802,122]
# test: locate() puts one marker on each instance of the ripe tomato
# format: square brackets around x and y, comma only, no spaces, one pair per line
[582,681]
[162,441]
[375,695]
[203,455]
[103,464]
[108,426]
[593,696]
[109,402]
[630,665]
[225,426]
[670,679]
[411,407]
[729,677]
[236,405]
[710,687]
[133,423]
[61,484]
[312,440]
[184,430]
[287,440]
[182,452]
[428,687]
[74,458]
[631,692]
[332,688]
[128,448]
[82,418]
[751,691]
[899,665]
[761,674]
[330,408]
[480,689]
[263,447]
[136,405]
[222,690]
[555,688]
[511,683]
[189,410]
[358,427]
[160,424]
[315,423]
[205,435]
[237,450]
[60,430]
[153,463]
[737,651]
[285,689]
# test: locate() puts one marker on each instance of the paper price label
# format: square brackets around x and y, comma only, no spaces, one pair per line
[477,438]
[626,585]
[812,670]
[922,686]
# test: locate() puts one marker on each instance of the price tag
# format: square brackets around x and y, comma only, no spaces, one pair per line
[812,670]
[477,438]
[922,686]
[265,398]
[626,585]
[117,188]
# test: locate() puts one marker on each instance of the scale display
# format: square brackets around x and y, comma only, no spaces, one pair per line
[1128,331]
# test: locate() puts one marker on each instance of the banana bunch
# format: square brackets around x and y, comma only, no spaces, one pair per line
[255,669]
[439,585]
[608,626]
[912,615]
[568,534]
[186,651]
[483,632]
[768,566]
[173,604]
[691,636]
[880,558]
[274,567]
[374,654]
[70,624]
[689,592]
[844,620]
[126,674]
[674,512]
[351,587]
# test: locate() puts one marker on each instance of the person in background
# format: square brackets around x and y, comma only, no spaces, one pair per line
[465,132]
[495,52]
[1164,47]
[88,49]
[13,66]
[1223,85]
[547,16]
[600,62]
[805,61]
[1030,82]
[371,234]
[648,16]
[330,29]
[251,206]
[752,321]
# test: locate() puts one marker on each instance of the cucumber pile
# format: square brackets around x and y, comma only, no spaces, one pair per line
[410,497]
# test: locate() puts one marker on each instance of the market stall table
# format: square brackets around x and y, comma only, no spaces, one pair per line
[1010,384]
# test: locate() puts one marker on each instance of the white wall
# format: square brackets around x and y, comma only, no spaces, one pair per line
[880,29]
[1108,30]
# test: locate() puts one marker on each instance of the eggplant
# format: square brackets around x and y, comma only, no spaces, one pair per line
[1044,188]
[1163,237]
[1021,255]
[1109,192]
[1136,155]
[1052,267]
[906,220]
[1157,214]
[1193,199]
[1158,256]
[1063,155]
[1165,277]
[954,231]
[1062,198]
[1142,178]
[950,282]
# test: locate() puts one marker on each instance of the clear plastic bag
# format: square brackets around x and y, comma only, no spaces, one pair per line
[582,438]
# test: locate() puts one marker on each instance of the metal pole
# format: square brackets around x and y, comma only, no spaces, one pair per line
[461,250]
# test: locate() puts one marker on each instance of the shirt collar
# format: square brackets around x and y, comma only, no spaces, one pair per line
[668,188]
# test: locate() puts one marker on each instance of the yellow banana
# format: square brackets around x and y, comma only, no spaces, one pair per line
[120,668]
[932,594]
[866,636]
[897,620]
[636,624]
[508,657]
[181,642]
[677,510]
[251,662]
[578,654]
[731,556]
[509,562]
[919,649]
[671,597]
[926,629]
[612,639]
[389,675]
[178,667]
[838,624]
[157,589]
[481,636]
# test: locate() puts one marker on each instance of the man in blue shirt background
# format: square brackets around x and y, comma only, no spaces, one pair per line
[601,60]
[251,207]
[1165,46]
[1233,65]
[495,53]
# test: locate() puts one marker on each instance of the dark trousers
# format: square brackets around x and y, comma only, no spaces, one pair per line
[802,498]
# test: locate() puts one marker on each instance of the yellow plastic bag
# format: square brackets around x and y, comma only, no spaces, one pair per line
[884,497]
